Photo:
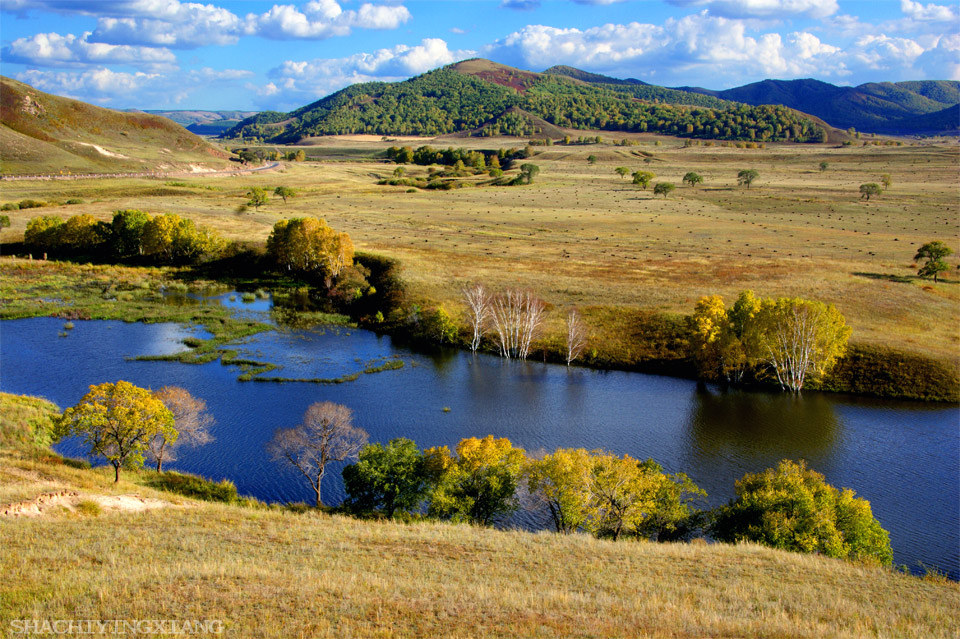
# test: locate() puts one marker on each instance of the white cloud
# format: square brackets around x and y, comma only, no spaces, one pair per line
[53,49]
[323,19]
[182,26]
[883,53]
[768,9]
[942,61]
[927,13]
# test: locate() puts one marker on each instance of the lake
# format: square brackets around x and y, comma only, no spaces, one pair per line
[901,456]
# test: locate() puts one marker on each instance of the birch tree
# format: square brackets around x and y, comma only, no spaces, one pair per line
[191,423]
[517,317]
[576,335]
[478,304]
[326,434]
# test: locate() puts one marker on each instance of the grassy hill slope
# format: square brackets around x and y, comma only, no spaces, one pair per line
[43,133]
[99,550]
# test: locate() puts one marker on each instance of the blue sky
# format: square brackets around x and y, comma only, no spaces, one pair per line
[169,54]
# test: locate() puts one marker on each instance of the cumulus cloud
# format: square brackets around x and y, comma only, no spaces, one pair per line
[317,78]
[767,9]
[323,19]
[53,49]
[942,61]
[520,5]
[928,12]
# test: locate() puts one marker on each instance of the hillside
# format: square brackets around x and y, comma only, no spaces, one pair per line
[869,107]
[267,571]
[945,122]
[204,122]
[43,133]
[469,94]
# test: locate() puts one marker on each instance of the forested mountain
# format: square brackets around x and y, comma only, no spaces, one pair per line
[643,91]
[202,122]
[43,133]
[470,94]
[871,107]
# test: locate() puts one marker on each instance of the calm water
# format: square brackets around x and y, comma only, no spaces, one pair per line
[902,456]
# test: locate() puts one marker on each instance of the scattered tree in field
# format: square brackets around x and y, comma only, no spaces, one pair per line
[258,197]
[592,159]
[886,180]
[191,425]
[576,335]
[307,246]
[516,317]
[387,478]
[824,166]
[663,188]
[399,171]
[118,422]
[869,189]
[622,171]
[747,177]
[126,232]
[325,435]
[692,178]
[798,337]
[4,222]
[642,178]
[479,484]
[528,172]
[933,253]
[793,508]
[296,156]
[284,192]
[561,482]
[477,300]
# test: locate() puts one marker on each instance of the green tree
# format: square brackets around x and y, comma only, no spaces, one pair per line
[561,482]
[479,484]
[824,166]
[4,222]
[747,177]
[622,171]
[643,178]
[592,159]
[398,172]
[869,189]
[80,234]
[43,232]
[933,253]
[692,179]
[663,188]
[793,508]
[307,246]
[126,232]
[528,172]
[258,197]
[171,238]
[387,478]
[118,421]
[284,192]
[886,180]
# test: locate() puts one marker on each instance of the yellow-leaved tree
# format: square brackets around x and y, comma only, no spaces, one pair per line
[307,246]
[561,480]
[118,421]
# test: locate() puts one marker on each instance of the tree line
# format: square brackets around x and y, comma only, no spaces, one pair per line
[484,480]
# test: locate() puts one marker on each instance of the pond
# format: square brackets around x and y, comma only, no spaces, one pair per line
[902,456]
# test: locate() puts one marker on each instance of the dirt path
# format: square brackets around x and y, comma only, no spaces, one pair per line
[70,500]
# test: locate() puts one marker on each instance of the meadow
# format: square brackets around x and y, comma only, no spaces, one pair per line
[582,236]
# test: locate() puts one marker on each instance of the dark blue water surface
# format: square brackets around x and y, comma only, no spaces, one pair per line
[902,456]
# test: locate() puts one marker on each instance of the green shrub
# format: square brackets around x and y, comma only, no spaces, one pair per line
[248,297]
[74,201]
[89,507]
[194,486]
[31,204]
[10,206]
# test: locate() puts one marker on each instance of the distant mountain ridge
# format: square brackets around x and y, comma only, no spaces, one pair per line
[203,122]
[44,133]
[489,98]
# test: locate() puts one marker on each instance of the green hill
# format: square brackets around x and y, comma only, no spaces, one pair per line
[43,133]
[467,95]
[869,107]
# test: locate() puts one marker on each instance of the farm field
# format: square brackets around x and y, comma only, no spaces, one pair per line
[581,235]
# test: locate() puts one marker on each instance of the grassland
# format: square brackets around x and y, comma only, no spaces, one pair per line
[582,236]
[126,550]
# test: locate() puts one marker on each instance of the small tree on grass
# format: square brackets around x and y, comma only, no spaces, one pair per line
[284,192]
[793,508]
[933,253]
[258,197]
[4,222]
[622,171]
[528,172]
[118,422]
[643,178]
[824,166]
[692,178]
[561,482]
[868,190]
[191,424]
[886,180]
[325,435]
[663,188]
[746,177]
[592,159]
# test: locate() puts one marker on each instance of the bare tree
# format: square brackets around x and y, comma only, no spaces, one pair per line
[576,335]
[191,421]
[478,301]
[517,317]
[325,435]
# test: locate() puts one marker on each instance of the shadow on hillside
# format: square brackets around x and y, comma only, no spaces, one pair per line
[901,279]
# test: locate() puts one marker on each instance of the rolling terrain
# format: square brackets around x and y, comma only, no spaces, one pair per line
[43,133]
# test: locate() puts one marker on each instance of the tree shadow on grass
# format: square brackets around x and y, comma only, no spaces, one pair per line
[902,279]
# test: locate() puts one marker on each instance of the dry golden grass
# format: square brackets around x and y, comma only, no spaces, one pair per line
[582,236]
[265,572]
